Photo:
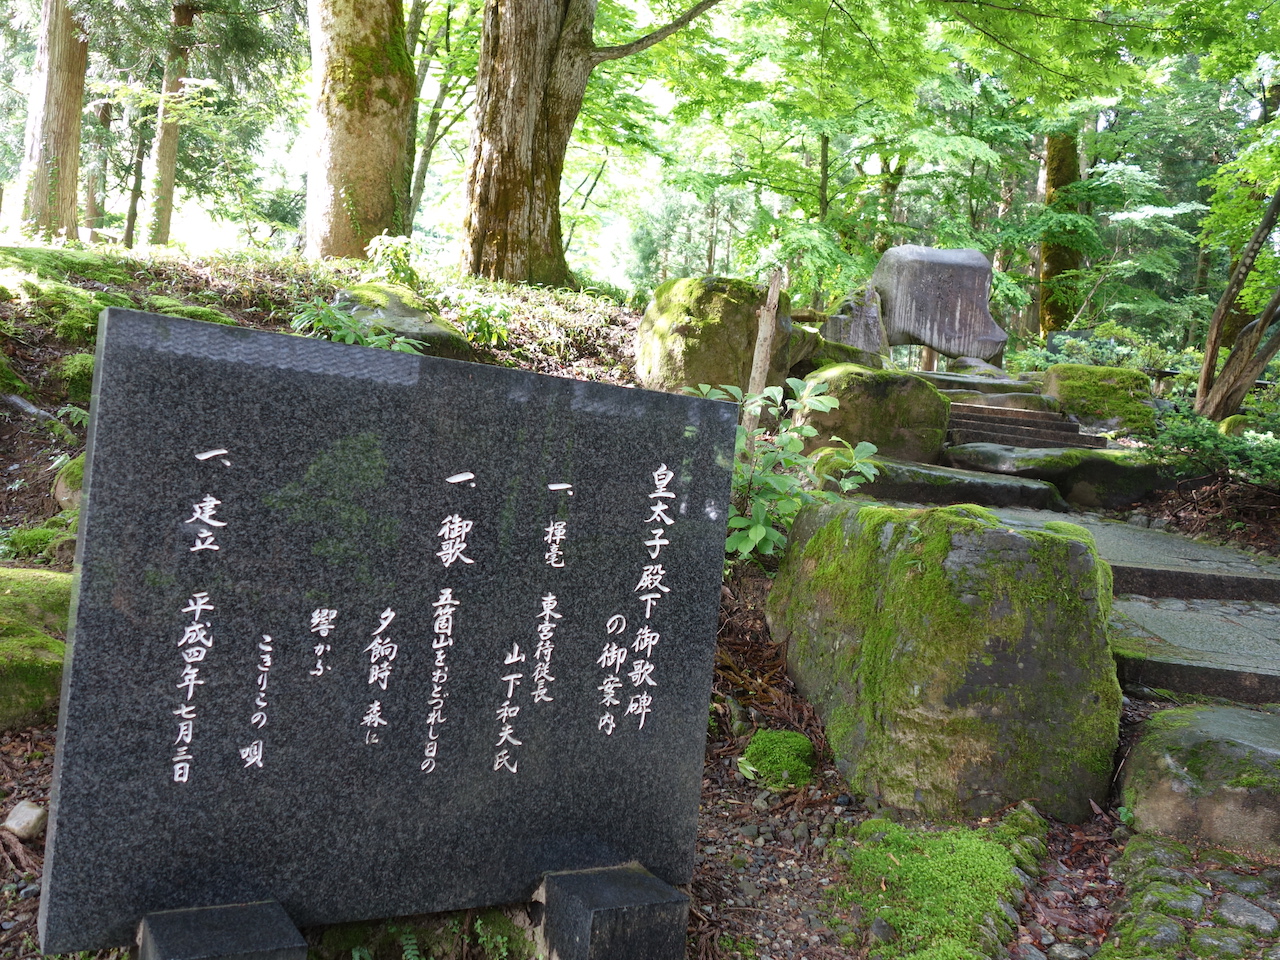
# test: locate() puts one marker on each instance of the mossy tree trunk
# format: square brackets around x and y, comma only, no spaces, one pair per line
[535,59]
[165,147]
[50,175]
[364,82]
[1062,168]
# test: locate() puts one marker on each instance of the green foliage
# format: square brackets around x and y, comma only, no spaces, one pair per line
[320,319]
[772,476]
[782,758]
[1193,446]
[392,259]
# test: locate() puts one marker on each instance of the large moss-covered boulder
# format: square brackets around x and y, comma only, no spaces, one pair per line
[1208,773]
[33,621]
[903,415]
[1116,398]
[959,666]
[703,330]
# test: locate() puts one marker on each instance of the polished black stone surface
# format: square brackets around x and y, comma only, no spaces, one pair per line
[316,711]
[614,913]
[241,931]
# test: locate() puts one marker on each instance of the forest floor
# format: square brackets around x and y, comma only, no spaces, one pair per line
[764,883]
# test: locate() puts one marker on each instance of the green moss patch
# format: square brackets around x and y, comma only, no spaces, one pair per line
[781,757]
[176,308]
[941,891]
[33,623]
[51,539]
[1103,394]
[76,371]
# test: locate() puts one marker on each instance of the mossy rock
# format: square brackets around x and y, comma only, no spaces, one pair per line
[69,483]
[959,665]
[703,330]
[1114,397]
[71,311]
[824,353]
[76,371]
[33,622]
[392,307]
[1208,774]
[781,757]
[903,415]
[176,308]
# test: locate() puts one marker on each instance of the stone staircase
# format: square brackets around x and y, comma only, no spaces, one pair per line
[980,423]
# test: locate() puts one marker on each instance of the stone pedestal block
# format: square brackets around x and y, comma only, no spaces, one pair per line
[617,913]
[242,931]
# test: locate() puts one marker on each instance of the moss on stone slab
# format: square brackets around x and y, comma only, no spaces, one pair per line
[1099,394]
[33,623]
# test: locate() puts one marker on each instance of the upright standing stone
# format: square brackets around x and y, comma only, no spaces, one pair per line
[372,634]
[938,298]
[857,322]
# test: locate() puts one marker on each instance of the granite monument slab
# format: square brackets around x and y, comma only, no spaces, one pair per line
[372,634]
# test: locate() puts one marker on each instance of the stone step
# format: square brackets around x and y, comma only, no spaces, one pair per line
[960,381]
[928,483]
[1062,428]
[1012,436]
[1016,401]
[978,411]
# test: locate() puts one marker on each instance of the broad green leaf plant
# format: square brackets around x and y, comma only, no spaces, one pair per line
[772,475]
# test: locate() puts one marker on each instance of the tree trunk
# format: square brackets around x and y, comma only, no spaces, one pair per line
[50,178]
[165,158]
[535,59]
[364,81]
[1249,357]
[1061,167]
[135,187]
[1226,303]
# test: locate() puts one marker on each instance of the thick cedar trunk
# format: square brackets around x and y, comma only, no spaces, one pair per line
[1061,167]
[535,59]
[50,178]
[364,83]
[165,158]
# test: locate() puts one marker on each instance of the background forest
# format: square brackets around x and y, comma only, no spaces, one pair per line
[1117,164]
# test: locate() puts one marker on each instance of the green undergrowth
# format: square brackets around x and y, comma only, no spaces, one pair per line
[479,935]
[943,891]
[49,540]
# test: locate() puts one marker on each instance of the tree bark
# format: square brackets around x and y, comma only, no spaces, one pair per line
[535,59]
[1249,357]
[50,177]
[364,82]
[1061,167]
[165,147]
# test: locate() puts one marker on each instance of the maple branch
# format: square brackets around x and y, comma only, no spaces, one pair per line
[601,54]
